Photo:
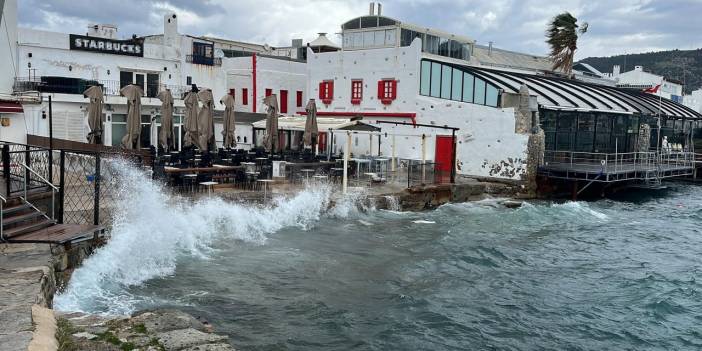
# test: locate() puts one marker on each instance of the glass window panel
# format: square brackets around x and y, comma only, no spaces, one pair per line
[435,79]
[391,37]
[445,82]
[119,118]
[467,87]
[369,22]
[353,24]
[491,95]
[443,47]
[457,85]
[455,49]
[384,21]
[357,40]
[479,93]
[368,39]
[431,44]
[119,130]
[348,40]
[379,38]
[407,36]
[466,51]
[425,83]
[145,136]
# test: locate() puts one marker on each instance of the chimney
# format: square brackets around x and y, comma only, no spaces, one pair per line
[380,9]
[490,49]
[371,9]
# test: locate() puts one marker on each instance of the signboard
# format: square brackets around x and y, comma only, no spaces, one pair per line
[132,47]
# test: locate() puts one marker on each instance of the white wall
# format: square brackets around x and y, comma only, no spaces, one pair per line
[487,142]
[8,46]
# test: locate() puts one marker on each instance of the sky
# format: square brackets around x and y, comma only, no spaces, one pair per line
[616,26]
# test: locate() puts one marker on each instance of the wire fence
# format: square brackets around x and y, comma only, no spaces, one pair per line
[14,157]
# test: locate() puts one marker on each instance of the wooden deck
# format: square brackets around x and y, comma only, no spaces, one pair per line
[60,234]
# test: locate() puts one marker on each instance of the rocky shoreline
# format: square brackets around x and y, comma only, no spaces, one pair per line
[157,330]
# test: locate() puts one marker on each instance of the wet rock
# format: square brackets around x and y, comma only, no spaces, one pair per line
[188,338]
[512,203]
[85,335]
[167,320]
[211,347]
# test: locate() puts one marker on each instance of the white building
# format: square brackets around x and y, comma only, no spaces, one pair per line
[11,111]
[396,72]
[694,100]
[62,65]
[638,78]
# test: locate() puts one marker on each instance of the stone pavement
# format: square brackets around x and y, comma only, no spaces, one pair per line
[26,279]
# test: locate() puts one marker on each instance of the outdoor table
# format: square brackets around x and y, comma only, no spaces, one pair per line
[209,186]
[359,163]
[191,180]
[250,166]
[265,183]
[307,172]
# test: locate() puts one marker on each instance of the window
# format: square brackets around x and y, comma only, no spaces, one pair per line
[151,85]
[387,91]
[356,91]
[425,78]
[244,96]
[435,79]
[445,82]
[299,98]
[326,91]
[188,80]
[455,83]
[126,78]
[283,101]
[269,92]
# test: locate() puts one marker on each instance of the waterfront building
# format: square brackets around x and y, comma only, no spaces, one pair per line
[639,79]
[694,100]
[63,65]
[11,111]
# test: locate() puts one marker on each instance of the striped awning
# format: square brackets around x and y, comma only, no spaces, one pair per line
[10,107]
[561,93]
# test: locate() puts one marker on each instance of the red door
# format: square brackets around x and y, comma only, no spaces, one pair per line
[283,101]
[322,141]
[444,157]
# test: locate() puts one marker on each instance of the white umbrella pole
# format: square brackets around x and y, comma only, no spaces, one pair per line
[393,153]
[346,162]
[424,156]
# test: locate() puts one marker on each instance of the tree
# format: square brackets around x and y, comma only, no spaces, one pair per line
[562,37]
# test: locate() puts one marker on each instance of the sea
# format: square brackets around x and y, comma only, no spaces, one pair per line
[321,272]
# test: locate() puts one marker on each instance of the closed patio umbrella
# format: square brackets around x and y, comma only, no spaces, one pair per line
[229,122]
[94,93]
[311,129]
[205,121]
[191,137]
[271,141]
[133,93]
[165,137]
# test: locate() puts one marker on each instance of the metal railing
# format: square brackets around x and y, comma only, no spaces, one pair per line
[54,191]
[426,173]
[617,166]
[203,60]
[65,85]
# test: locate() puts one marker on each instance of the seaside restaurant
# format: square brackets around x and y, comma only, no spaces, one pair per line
[596,119]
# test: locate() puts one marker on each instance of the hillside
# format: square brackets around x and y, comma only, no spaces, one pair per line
[682,65]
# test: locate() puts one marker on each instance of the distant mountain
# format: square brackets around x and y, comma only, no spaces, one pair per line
[682,65]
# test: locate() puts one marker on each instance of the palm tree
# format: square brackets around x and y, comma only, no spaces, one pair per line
[562,36]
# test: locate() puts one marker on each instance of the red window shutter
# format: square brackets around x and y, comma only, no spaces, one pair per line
[321,91]
[269,92]
[244,96]
[381,90]
[394,89]
[299,98]
[330,96]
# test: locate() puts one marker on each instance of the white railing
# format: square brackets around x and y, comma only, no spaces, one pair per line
[54,190]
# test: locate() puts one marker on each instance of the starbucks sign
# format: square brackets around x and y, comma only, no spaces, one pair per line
[132,47]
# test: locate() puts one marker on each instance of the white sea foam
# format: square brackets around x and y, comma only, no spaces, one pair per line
[152,229]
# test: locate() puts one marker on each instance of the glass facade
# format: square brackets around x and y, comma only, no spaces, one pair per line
[452,83]
[610,132]
[370,39]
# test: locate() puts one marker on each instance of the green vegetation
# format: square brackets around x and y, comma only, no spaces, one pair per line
[139,328]
[64,330]
[682,65]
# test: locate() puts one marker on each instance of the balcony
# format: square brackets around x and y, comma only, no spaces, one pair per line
[203,60]
[65,85]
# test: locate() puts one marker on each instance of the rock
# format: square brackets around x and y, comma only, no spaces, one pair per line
[211,347]
[167,320]
[85,335]
[512,203]
[188,338]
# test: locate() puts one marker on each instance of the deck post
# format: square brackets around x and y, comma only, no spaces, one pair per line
[6,167]
[453,159]
[345,182]
[27,174]
[96,205]
[575,190]
[62,184]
